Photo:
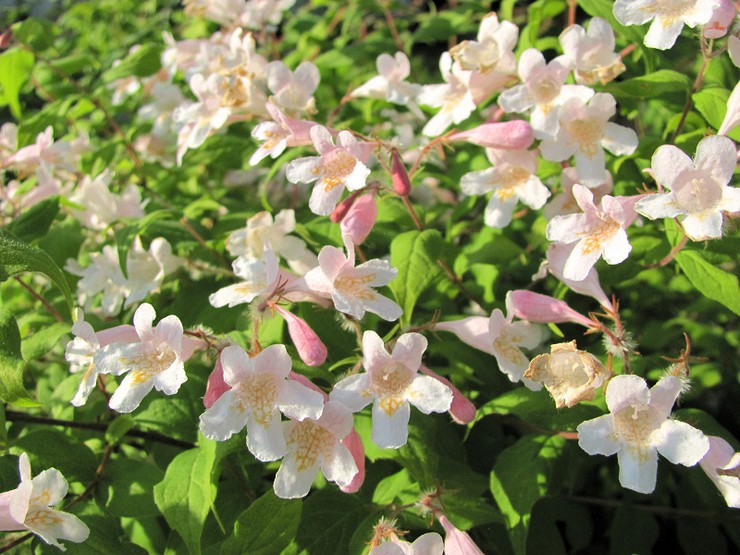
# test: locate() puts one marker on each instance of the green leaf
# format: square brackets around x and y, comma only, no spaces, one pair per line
[17,256]
[48,448]
[663,81]
[712,282]
[44,340]
[712,104]
[185,495]
[35,222]
[266,527]
[36,33]
[15,69]
[11,362]
[523,474]
[145,61]
[130,485]
[414,254]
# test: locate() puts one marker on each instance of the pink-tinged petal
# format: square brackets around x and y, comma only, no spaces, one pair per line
[399,175]
[265,439]
[664,394]
[717,155]
[567,228]
[391,431]
[273,360]
[429,395]
[472,330]
[701,227]
[223,418]
[169,330]
[662,34]
[304,170]
[513,135]
[373,351]
[216,385]
[462,410]
[332,262]
[116,334]
[339,466]
[308,75]
[457,542]
[129,394]
[557,255]
[531,62]
[596,437]
[354,392]
[658,206]
[310,348]
[544,309]
[409,349]
[556,151]
[581,261]
[591,167]
[20,501]
[301,379]
[236,364]
[680,443]
[336,418]
[626,390]
[7,522]
[278,76]
[299,402]
[667,163]
[354,444]
[721,456]
[638,469]
[360,219]
[314,282]
[322,140]
[619,140]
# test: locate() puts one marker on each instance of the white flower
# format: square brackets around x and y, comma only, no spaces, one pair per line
[29,507]
[391,382]
[258,277]
[155,361]
[699,190]
[335,168]
[453,97]
[668,16]
[350,287]
[584,132]
[391,83]
[492,51]
[259,391]
[639,427]
[104,275]
[512,178]
[102,207]
[278,134]
[426,544]
[293,91]
[314,444]
[592,52]
[722,465]
[147,269]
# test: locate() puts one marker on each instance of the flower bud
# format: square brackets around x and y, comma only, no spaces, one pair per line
[457,542]
[354,444]
[310,348]
[399,175]
[570,375]
[543,309]
[340,211]
[507,135]
[360,219]
[216,385]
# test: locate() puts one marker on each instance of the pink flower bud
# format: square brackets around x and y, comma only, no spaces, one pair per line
[340,211]
[543,309]
[360,219]
[310,348]
[722,16]
[462,410]
[457,542]
[216,385]
[354,444]
[399,175]
[507,135]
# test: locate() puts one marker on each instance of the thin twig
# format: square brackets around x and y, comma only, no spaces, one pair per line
[671,512]
[15,542]
[53,311]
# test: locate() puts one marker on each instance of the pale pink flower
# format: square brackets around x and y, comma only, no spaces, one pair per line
[314,444]
[723,15]
[392,382]
[59,155]
[462,410]
[293,91]
[668,17]
[557,257]
[390,84]
[493,49]
[639,427]
[259,277]
[335,168]
[279,133]
[722,465]
[597,231]
[565,203]
[542,91]
[350,287]
[457,542]
[29,507]
[102,275]
[585,132]
[543,309]
[426,544]
[592,52]
[454,97]
[360,218]
[155,361]
[699,190]
[310,348]
[101,206]
[732,116]
[509,135]
[511,179]
[260,390]
[146,269]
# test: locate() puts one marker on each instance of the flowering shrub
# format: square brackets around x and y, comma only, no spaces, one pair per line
[288,222]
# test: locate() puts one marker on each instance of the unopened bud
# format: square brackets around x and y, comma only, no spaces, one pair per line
[5,38]
[310,348]
[360,219]
[216,385]
[542,309]
[507,135]
[341,209]
[399,175]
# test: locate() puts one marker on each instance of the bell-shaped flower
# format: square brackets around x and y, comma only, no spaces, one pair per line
[699,190]
[102,207]
[56,155]
[499,336]
[457,542]
[147,269]
[511,179]
[279,133]
[350,287]
[314,444]
[505,135]
[359,220]
[668,17]
[557,257]
[102,275]
[293,91]
[493,49]
[390,84]
[462,410]
[639,427]
[454,97]
[722,465]
[259,391]
[543,309]
[596,232]
[155,361]
[29,507]
[585,132]
[426,544]
[592,52]
[392,382]
[81,350]
[568,374]
[335,168]
[542,91]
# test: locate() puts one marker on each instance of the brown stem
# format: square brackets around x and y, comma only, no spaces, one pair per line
[15,542]
[107,452]
[458,283]
[671,255]
[53,311]
[572,12]
[412,212]
[706,51]
[392,26]
[665,511]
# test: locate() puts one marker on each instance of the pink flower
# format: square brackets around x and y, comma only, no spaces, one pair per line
[390,83]
[399,175]
[454,97]
[722,16]
[310,348]
[360,218]
[592,52]
[722,465]
[216,385]
[278,134]
[557,256]
[539,308]
[457,542]
[293,91]
[510,135]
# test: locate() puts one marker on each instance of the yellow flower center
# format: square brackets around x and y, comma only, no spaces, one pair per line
[259,393]
[390,384]
[309,442]
[587,132]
